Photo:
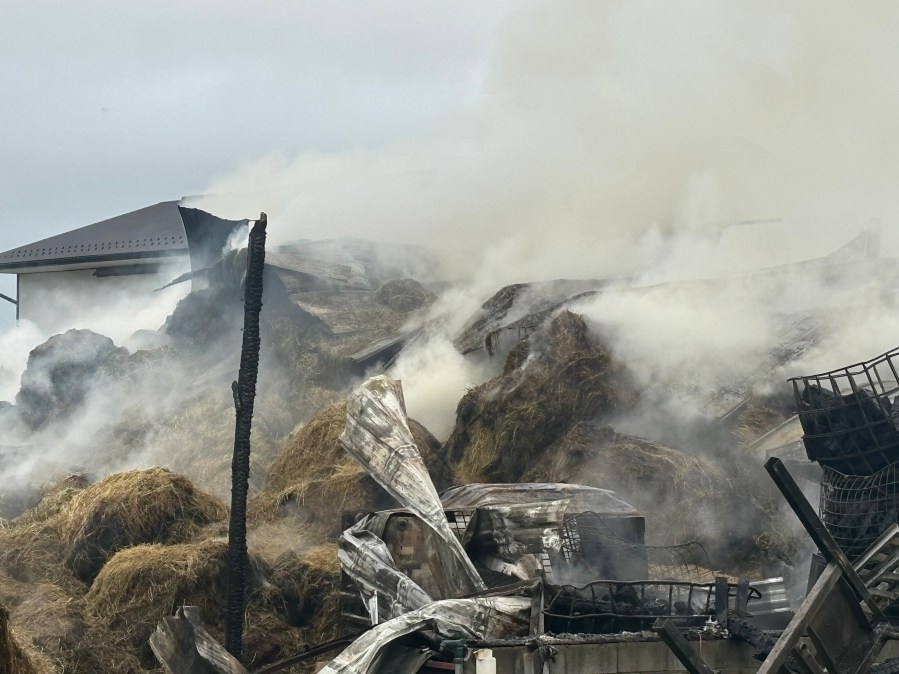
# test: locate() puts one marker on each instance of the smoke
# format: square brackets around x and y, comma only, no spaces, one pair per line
[434,376]
[15,343]
[595,122]
[629,140]
[677,146]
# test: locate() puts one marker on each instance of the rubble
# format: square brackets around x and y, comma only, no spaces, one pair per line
[507,536]
[849,418]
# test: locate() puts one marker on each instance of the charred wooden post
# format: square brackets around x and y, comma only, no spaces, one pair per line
[681,648]
[722,590]
[819,533]
[244,390]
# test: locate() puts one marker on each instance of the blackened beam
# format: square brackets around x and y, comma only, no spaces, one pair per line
[819,533]
[681,648]
[310,653]
[244,390]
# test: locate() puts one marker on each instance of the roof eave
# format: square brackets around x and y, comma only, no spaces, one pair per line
[92,261]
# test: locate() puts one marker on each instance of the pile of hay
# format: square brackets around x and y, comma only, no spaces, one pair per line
[559,377]
[58,625]
[140,585]
[670,487]
[404,295]
[31,545]
[309,590]
[17,657]
[60,373]
[313,479]
[758,415]
[722,501]
[125,509]
[291,602]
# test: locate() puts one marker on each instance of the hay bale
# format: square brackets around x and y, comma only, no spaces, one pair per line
[16,655]
[140,585]
[313,479]
[34,553]
[723,502]
[125,509]
[60,373]
[308,587]
[57,625]
[507,424]
[31,545]
[404,295]
[669,486]
[54,497]
[754,418]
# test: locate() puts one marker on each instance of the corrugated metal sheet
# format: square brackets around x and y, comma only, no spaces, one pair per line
[377,435]
[481,619]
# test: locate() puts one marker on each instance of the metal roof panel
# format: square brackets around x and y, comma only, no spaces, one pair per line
[151,232]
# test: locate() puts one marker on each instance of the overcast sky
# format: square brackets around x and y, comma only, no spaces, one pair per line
[109,106]
[533,137]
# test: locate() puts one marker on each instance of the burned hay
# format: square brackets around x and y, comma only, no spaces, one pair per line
[16,655]
[560,377]
[404,295]
[140,585]
[130,508]
[309,590]
[312,478]
[57,624]
[669,486]
[720,501]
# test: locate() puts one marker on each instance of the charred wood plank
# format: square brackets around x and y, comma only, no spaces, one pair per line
[681,648]
[819,533]
[183,646]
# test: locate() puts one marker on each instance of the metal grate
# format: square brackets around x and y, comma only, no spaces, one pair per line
[856,509]
[586,536]
[850,415]
[611,606]
[458,521]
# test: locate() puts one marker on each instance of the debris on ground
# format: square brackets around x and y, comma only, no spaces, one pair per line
[507,533]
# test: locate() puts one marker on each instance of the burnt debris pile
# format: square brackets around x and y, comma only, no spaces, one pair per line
[850,420]
[546,509]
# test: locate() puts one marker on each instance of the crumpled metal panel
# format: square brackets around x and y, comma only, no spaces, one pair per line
[480,618]
[511,522]
[365,558]
[377,435]
[579,498]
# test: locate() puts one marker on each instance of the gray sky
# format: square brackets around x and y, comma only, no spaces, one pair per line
[109,106]
[525,139]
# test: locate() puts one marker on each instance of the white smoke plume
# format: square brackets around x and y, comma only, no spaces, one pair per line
[597,118]
[631,139]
